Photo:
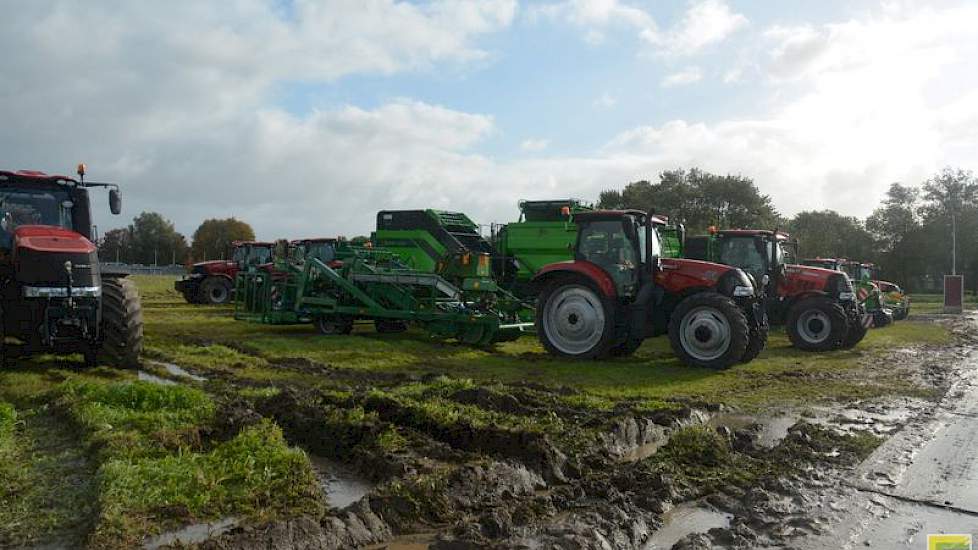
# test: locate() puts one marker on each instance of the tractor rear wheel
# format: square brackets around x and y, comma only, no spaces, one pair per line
[574,320]
[122,323]
[709,330]
[215,290]
[817,324]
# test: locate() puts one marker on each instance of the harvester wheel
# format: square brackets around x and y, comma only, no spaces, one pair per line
[758,340]
[709,330]
[122,323]
[901,313]
[574,320]
[854,334]
[817,324]
[334,325]
[215,290]
[389,326]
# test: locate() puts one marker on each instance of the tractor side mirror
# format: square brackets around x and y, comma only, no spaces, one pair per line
[115,202]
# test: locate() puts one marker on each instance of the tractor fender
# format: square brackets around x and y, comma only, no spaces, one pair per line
[792,300]
[581,268]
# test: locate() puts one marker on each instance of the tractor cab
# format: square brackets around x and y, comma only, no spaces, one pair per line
[247,254]
[622,243]
[763,254]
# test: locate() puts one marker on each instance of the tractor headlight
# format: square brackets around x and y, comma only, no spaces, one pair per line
[846,296]
[743,291]
[765,279]
[62,292]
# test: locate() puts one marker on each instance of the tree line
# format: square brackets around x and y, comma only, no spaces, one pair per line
[908,235]
[152,239]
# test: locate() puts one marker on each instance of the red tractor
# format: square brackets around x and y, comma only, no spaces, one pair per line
[212,282]
[618,290]
[816,305]
[55,297]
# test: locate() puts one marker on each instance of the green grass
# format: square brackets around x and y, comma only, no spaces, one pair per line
[254,475]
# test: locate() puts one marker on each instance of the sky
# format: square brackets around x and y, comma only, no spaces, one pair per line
[306,117]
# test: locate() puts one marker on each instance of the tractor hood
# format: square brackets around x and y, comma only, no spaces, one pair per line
[50,238]
[678,275]
[802,278]
[42,252]
[213,267]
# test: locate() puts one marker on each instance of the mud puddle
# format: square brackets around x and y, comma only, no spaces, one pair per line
[686,519]
[191,534]
[340,483]
[147,377]
[770,429]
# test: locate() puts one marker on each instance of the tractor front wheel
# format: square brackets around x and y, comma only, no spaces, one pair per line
[122,323]
[855,333]
[709,330]
[817,324]
[215,290]
[574,320]
[757,343]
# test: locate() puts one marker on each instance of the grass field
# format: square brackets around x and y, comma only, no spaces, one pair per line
[96,456]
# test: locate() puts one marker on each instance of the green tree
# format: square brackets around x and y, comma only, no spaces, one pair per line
[154,240]
[828,234]
[116,246]
[698,199]
[213,237]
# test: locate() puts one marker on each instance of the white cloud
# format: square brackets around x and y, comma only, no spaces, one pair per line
[534,145]
[707,22]
[689,75]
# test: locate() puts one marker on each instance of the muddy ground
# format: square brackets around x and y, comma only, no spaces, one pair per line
[408,443]
[433,462]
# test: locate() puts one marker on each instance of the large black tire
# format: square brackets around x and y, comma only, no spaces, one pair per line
[901,313]
[854,333]
[191,297]
[626,348]
[215,291]
[574,319]
[756,344]
[709,330]
[122,323]
[333,325]
[816,324]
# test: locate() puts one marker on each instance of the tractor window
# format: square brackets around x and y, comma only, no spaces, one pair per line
[746,253]
[605,244]
[239,255]
[32,207]
[259,255]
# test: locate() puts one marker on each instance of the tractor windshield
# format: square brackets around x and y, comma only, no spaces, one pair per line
[604,243]
[29,206]
[258,255]
[748,253]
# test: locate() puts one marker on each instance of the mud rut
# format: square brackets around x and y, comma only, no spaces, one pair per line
[594,482]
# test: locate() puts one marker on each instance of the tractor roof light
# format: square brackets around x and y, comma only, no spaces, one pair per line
[81,169]
[713,230]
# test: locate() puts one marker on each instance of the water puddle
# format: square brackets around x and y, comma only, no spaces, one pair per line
[192,534]
[178,371]
[685,519]
[147,377]
[341,484]
[771,429]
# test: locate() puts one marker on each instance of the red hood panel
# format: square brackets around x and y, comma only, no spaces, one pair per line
[51,238]
[679,274]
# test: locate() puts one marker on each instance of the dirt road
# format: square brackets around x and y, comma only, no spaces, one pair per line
[922,480]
